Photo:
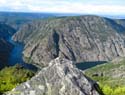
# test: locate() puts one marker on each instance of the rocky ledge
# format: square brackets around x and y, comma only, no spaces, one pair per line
[61,77]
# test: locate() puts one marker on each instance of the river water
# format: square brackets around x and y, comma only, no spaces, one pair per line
[16,56]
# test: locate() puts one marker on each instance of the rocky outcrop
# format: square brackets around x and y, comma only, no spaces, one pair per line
[84,38]
[61,77]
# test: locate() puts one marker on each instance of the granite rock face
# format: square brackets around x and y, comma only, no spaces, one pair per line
[61,77]
[83,38]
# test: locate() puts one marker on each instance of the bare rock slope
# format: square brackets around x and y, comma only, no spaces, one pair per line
[61,77]
[83,38]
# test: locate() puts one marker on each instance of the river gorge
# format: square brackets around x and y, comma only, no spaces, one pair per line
[16,56]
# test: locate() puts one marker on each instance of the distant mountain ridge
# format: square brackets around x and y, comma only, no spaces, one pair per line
[80,38]
[16,19]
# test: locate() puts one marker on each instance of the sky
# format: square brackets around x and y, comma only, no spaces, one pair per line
[65,6]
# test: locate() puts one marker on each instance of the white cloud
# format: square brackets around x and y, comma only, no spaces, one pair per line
[66,6]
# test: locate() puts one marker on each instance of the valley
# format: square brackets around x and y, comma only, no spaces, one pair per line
[61,55]
[80,38]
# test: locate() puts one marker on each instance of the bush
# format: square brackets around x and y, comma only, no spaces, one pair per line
[10,77]
[107,90]
[119,91]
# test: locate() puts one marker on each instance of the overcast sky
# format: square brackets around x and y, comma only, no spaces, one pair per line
[65,6]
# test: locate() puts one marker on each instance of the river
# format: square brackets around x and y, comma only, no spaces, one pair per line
[16,56]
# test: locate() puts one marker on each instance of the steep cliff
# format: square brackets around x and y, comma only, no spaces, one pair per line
[6,31]
[83,38]
[61,77]
[5,47]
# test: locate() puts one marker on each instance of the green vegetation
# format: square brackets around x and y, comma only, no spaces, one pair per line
[110,77]
[10,77]
[107,90]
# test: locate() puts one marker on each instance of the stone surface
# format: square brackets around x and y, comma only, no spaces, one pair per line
[61,77]
[83,38]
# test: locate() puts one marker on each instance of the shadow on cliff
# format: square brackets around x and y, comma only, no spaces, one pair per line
[87,65]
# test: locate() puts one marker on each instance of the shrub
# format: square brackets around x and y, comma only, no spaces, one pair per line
[107,90]
[10,77]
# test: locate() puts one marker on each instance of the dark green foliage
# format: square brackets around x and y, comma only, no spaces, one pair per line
[10,77]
